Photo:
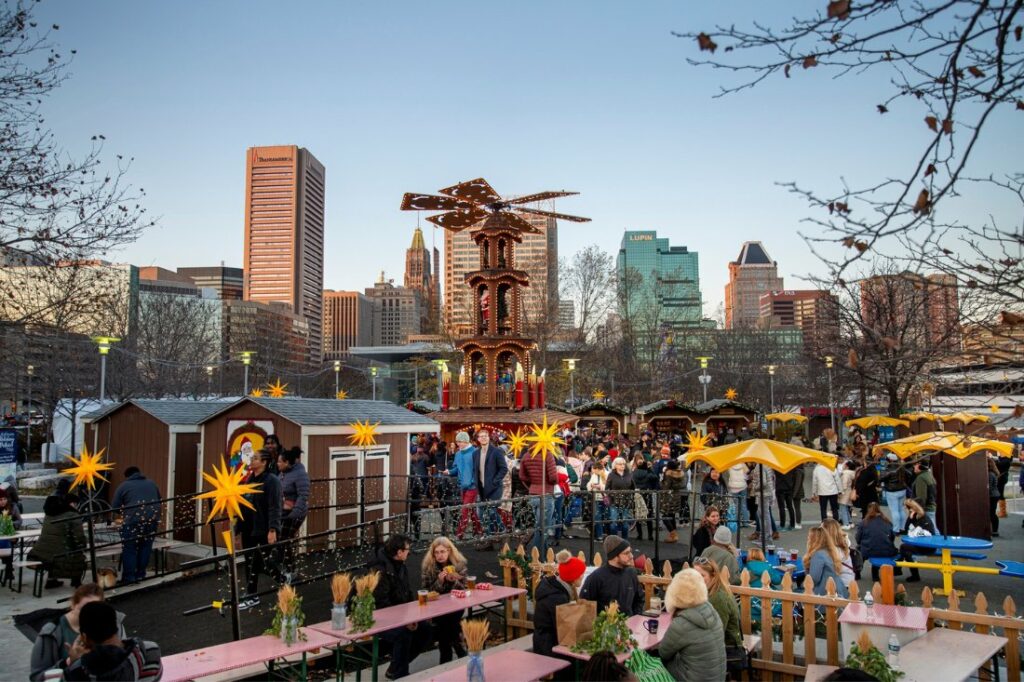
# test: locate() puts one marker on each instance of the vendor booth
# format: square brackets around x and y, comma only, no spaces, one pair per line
[601,416]
[667,417]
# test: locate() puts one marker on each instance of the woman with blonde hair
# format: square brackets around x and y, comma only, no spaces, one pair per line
[918,524]
[842,543]
[822,561]
[758,566]
[444,569]
[721,600]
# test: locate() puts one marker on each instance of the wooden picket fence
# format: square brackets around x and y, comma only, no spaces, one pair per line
[778,650]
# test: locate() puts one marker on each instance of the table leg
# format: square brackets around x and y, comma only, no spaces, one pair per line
[304,675]
[376,648]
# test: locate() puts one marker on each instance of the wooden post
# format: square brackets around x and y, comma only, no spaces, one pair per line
[888,585]
[810,656]
[787,621]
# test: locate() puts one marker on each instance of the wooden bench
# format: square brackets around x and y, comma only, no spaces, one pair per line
[37,580]
[520,644]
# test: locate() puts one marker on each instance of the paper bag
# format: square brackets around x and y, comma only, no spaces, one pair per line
[575,621]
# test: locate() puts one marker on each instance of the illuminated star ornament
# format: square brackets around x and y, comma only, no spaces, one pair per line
[87,468]
[228,491]
[516,443]
[276,390]
[365,433]
[698,441]
[598,395]
[341,395]
[256,393]
[993,408]
[731,394]
[544,439]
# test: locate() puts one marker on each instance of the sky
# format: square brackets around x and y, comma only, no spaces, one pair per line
[391,97]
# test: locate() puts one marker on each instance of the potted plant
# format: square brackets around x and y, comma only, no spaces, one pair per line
[611,633]
[288,616]
[6,525]
[865,656]
[363,603]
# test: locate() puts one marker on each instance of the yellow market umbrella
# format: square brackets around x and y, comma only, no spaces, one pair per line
[965,417]
[918,416]
[876,420]
[782,457]
[955,444]
[785,417]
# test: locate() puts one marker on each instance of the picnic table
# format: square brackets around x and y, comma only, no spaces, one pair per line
[191,665]
[948,544]
[644,640]
[510,665]
[797,573]
[400,615]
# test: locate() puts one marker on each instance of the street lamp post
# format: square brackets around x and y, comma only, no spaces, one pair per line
[103,343]
[246,356]
[829,361]
[209,381]
[704,378]
[337,376]
[373,376]
[771,386]
[571,362]
[31,370]
[442,367]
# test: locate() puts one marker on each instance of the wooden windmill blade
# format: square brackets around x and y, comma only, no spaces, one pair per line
[478,191]
[550,214]
[433,202]
[458,220]
[539,196]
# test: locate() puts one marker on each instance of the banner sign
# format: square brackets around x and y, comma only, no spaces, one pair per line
[9,456]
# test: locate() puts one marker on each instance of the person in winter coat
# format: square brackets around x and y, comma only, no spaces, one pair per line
[540,476]
[875,537]
[693,648]
[259,527]
[616,579]
[713,491]
[757,566]
[671,498]
[295,501]
[847,571]
[993,496]
[101,654]
[553,591]
[394,587]
[822,562]
[763,478]
[784,495]
[865,486]
[444,569]
[8,506]
[846,476]
[463,469]
[55,639]
[894,481]
[721,599]
[645,480]
[917,523]
[723,553]
[825,489]
[619,487]
[137,500]
[736,485]
[925,490]
[701,539]
[61,544]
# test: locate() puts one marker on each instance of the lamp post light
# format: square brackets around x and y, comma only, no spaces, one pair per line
[771,385]
[829,361]
[30,370]
[373,376]
[704,378]
[209,381]
[103,343]
[337,375]
[571,362]
[246,356]
[442,367]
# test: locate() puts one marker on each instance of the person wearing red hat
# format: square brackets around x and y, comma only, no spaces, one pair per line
[552,591]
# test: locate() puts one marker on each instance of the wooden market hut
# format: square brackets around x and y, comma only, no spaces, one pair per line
[601,415]
[161,437]
[369,483]
[666,417]
[720,414]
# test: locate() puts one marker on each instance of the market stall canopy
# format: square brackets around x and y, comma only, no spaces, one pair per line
[876,420]
[785,417]
[956,444]
[782,457]
[918,416]
[965,417]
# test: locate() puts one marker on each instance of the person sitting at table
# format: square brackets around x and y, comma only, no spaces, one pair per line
[100,653]
[918,524]
[616,579]
[693,647]
[61,544]
[725,606]
[393,588]
[55,639]
[757,565]
[7,506]
[723,553]
[875,538]
[708,525]
[444,569]
[822,561]
[553,591]
[605,667]
[848,573]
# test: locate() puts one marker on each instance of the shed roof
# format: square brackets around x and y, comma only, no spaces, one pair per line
[330,412]
[170,412]
[598,405]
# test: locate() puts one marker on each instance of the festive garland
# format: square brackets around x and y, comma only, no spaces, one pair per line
[611,633]
[518,561]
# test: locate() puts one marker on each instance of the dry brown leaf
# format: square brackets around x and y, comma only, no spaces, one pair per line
[932,122]
[861,246]
[971,284]
[705,42]
[882,109]
[851,358]
[947,126]
[976,72]
[839,9]
[930,170]
[1018,411]
[849,242]
[835,38]
[1020,104]
[842,207]
[810,61]
[923,206]
[786,71]
[1017,32]
[890,343]
[1011,319]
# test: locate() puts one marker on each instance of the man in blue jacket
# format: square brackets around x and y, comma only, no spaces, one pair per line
[464,470]
[137,499]
[491,468]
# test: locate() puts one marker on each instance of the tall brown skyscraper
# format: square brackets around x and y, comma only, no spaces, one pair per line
[421,277]
[284,234]
[348,321]
[752,275]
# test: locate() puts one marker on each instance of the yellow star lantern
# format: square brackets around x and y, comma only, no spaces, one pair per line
[698,441]
[516,443]
[544,439]
[256,393]
[276,390]
[341,395]
[993,408]
[599,395]
[365,433]
[731,394]
[87,468]
[228,491]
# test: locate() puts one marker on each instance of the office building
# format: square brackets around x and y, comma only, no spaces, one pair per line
[537,255]
[284,234]
[348,321]
[396,312]
[812,311]
[278,337]
[751,275]
[227,282]
[658,282]
[914,309]
[566,315]
[420,276]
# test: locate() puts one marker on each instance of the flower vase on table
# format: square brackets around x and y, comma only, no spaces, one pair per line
[7,528]
[288,617]
[475,667]
[476,633]
[363,604]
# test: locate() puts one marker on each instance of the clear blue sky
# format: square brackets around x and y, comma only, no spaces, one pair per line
[413,96]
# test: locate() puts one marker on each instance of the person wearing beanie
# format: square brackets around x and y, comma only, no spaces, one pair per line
[553,591]
[723,553]
[616,579]
[694,644]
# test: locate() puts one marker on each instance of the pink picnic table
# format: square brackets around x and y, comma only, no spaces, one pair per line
[510,665]
[400,615]
[644,639]
[192,665]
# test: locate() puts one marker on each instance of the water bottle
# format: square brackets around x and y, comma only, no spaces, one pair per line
[894,652]
[869,603]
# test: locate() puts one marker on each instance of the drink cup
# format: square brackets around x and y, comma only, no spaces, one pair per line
[771,550]
[651,625]
[471,582]
[422,597]
[656,603]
